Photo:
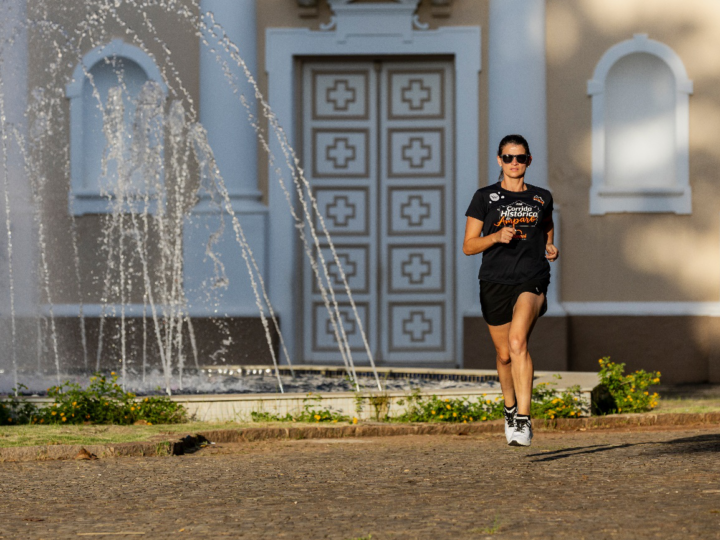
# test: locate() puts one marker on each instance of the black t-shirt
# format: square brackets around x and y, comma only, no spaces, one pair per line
[523,258]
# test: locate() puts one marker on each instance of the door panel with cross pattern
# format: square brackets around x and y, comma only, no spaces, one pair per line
[377,148]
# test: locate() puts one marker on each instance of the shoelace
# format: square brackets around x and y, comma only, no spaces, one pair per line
[510,418]
[521,424]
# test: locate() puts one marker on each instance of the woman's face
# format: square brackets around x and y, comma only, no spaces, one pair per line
[514,169]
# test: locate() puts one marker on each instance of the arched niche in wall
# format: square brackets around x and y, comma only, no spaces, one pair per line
[640,130]
[123,70]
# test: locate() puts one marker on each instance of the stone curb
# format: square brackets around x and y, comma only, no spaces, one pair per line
[190,443]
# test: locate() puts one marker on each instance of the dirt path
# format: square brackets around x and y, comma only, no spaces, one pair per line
[594,485]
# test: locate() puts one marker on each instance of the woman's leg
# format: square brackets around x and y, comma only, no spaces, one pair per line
[525,314]
[501,339]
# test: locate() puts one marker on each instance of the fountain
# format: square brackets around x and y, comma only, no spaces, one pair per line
[153,164]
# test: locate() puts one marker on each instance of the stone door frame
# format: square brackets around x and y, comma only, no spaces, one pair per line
[283,47]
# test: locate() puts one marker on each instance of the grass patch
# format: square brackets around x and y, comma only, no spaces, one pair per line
[688,405]
[492,529]
[36,435]
[40,435]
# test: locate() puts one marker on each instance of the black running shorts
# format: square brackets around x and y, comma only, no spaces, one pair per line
[498,300]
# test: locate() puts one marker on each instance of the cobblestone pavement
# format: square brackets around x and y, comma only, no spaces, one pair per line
[594,485]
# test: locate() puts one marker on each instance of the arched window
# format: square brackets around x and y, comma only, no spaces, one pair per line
[640,131]
[120,72]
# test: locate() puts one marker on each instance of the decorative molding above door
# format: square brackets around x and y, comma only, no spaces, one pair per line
[380,19]
[438,8]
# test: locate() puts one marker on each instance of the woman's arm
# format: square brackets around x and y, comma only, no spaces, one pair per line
[474,243]
[552,252]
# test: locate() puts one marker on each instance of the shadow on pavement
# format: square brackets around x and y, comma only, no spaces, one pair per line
[685,445]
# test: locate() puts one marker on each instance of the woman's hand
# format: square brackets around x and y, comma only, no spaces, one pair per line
[552,252]
[505,235]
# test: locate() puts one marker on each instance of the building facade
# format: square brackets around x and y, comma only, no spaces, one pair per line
[393,110]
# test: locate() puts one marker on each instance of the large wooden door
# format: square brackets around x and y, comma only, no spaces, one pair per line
[378,151]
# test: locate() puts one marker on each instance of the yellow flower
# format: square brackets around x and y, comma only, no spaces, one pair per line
[112,373]
[441,417]
[53,413]
[149,423]
[471,419]
[464,421]
[484,418]
[355,420]
[64,419]
[619,410]
[552,416]
[432,412]
[74,403]
[447,401]
[572,413]
[106,403]
[132,408]
[317,417]
[647,393]
[448,406]
[454,414]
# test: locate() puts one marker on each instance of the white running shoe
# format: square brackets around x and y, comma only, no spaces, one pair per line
[510,422]
[523,431]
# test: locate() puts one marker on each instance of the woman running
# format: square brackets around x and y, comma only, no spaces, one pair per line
[511,224]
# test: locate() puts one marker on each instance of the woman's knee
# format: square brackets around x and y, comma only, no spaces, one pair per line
[503,359]
[518,344]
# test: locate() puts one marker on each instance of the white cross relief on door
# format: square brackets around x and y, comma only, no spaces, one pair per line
[417,326]
[416,94]
[416,268]
[416,152]
[415,211]
[341,95]
[341,152]
[378,136]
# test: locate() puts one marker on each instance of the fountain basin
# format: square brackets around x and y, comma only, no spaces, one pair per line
[476,383]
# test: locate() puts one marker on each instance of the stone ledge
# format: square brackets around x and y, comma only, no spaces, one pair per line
[190,443]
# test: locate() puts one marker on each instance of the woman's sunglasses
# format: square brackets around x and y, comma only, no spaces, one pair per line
[522,159]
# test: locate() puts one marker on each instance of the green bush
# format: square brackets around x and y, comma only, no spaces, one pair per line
[546,403]
[312,411]
[434,409]
[620,393]
[102,402]
[15,411]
